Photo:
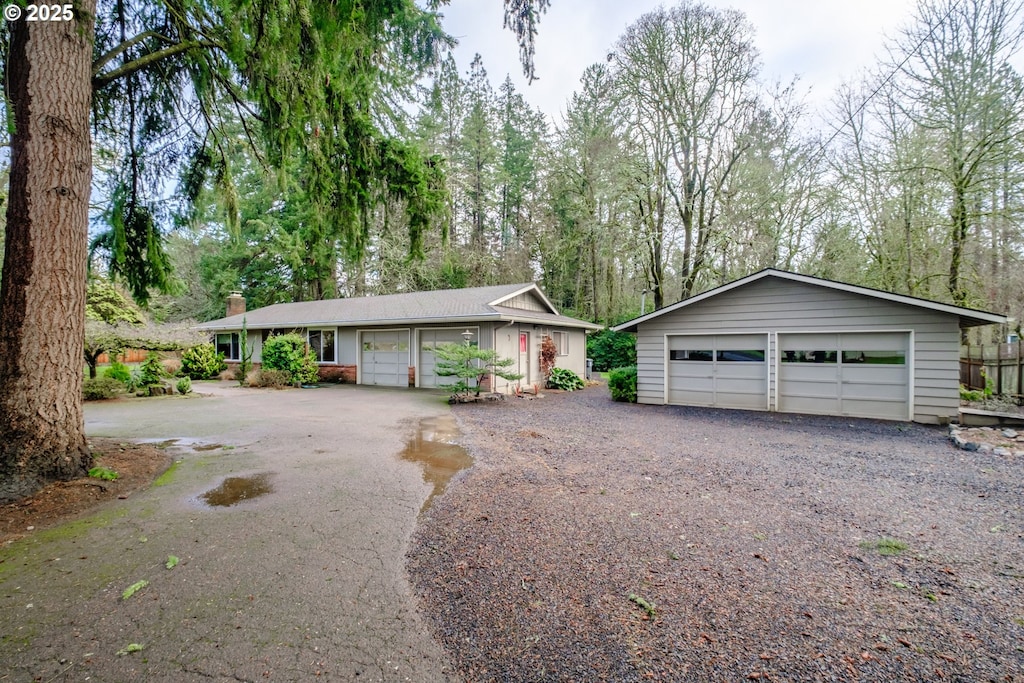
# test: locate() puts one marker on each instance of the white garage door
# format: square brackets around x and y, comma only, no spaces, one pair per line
[429,340]
[726,371]
[385,358]
[863,374]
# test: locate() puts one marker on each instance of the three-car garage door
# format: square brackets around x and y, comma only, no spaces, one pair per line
[861,374]
[725,371]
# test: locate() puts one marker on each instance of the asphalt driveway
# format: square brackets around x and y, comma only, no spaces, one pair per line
[303,582]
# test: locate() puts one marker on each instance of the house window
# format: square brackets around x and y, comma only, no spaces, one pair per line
[322,344]
[561,340]
[227,343]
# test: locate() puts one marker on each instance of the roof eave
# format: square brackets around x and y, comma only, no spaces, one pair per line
[351,323]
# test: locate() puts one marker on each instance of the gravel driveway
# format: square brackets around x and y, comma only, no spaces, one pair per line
[603,541]
[305,582]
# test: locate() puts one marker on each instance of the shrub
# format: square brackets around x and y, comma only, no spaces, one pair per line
[134,379]
[562,378]
[172,367]
[970,394]
[184,385]
[273,379]
[202,362]
[151,370]
[118,371]
[548,350]
[610,349]
[290,354]
[622,384]
[101,388]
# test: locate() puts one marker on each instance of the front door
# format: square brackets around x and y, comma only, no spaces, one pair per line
[524,357]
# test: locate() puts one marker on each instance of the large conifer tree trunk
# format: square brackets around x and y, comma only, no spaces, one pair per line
[42,302]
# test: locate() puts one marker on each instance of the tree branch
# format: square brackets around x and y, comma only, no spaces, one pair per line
[98,65]
[100,81]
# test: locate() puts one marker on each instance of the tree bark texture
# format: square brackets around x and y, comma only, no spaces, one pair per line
[42,302]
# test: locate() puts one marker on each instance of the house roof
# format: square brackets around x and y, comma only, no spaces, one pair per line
[473,304]
[969,317]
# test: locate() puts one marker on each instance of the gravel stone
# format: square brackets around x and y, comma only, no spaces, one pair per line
[758,542]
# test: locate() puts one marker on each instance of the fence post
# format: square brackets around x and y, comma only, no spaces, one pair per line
[999,369]
[1020,376]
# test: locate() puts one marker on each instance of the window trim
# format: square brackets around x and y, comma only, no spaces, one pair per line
[234,346]
[319,353]
[561,339]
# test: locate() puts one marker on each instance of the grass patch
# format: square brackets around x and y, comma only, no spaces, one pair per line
[642,603]
[104,473]
[165,478]
[133,589]
[885,546]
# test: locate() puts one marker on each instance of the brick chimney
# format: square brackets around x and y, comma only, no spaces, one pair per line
[236,304]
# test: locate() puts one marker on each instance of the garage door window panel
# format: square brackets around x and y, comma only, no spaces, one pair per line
[875,357]
[706,355]
[819,356]
[741,356]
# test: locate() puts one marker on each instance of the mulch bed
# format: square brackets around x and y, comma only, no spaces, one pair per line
[137,465]
[609,542]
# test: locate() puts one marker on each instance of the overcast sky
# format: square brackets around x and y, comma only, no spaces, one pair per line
[825,42]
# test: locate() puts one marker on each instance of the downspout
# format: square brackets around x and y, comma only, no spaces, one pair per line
[494,345]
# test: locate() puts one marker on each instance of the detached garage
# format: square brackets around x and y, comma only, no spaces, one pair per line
[785,342]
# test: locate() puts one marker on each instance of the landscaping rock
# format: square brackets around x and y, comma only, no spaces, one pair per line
[1010,433]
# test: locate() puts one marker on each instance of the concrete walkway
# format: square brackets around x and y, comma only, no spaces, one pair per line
[303,583]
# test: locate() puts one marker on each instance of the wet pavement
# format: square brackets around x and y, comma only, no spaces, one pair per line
[289,513]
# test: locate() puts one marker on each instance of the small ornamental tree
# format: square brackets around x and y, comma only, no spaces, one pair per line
[245,354]
[470,365]
[548,351]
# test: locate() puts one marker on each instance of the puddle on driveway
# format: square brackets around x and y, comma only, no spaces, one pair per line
[236,489]
[432,447]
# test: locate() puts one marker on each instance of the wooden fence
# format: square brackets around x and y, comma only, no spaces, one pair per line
[1002,364]
[126,356]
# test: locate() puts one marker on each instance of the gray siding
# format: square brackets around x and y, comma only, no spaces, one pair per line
[527,301]
[773,305]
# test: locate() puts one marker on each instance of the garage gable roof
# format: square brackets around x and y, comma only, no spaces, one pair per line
[969,317]
[448,305]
